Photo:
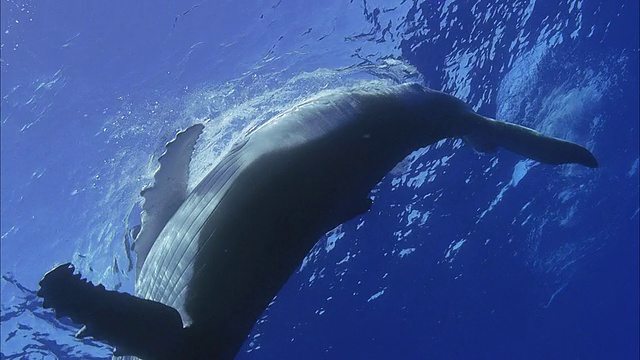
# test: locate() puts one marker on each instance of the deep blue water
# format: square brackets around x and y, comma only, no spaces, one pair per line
[463,255]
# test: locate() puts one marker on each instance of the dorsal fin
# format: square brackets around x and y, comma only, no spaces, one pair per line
[168,192]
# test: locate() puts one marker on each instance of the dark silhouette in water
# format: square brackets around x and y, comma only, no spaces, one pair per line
[211,264]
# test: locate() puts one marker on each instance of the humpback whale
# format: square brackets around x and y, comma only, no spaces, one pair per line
[210,261]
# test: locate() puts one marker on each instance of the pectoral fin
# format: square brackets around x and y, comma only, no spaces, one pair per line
[529,143]
[168,191]
[135,326]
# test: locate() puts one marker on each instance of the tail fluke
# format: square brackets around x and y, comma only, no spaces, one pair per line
[529,143]
[135,326]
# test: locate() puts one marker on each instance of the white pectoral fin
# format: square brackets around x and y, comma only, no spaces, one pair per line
[168,191]
[491,134]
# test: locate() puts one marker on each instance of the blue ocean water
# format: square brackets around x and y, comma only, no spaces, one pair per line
[463,255]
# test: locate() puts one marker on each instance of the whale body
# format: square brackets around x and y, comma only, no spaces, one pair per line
[210,261]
